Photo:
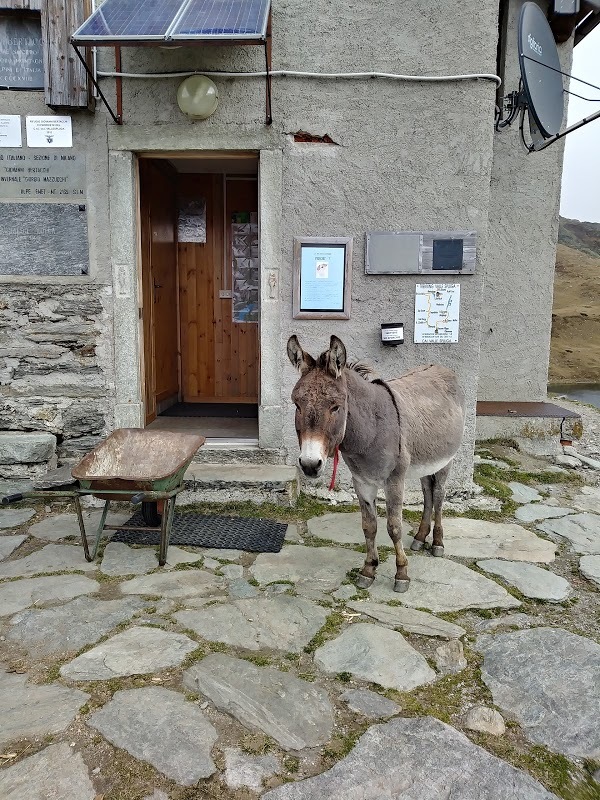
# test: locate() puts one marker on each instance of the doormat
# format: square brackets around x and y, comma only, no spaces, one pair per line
[202,530]
[243,410]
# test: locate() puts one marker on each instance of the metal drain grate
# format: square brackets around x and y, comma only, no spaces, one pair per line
[201,530]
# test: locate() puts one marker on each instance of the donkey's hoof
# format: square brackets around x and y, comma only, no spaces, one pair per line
[417,545]
[437,550]
[363,582]
[401,585]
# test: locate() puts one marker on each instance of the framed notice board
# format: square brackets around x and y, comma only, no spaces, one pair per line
[322,278]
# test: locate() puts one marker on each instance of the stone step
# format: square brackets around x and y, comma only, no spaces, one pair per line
[256,483]
[237,451]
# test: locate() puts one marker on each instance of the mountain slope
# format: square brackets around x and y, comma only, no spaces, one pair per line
[575,344]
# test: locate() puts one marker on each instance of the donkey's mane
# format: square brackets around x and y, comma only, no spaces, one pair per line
[365,370]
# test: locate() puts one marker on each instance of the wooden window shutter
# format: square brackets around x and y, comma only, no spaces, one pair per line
[66,79]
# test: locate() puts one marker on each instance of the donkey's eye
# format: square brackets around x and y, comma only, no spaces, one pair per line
[335,409]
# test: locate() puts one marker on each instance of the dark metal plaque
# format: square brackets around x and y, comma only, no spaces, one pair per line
[21,63]
[43,239]
[31,175]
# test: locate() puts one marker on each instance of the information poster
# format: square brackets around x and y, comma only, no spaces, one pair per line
[191,223]
[245,267]
[49,132]
[322,276]
[10,131]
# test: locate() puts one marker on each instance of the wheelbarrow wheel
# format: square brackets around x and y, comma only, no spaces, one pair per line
[150,514]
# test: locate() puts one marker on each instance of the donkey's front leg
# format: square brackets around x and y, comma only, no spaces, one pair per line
[367,496]
[394,497]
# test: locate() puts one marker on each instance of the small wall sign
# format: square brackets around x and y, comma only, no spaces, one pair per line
[322,278]
[10,131]
[49,132]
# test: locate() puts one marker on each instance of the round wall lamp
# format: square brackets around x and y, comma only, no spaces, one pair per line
[198,97]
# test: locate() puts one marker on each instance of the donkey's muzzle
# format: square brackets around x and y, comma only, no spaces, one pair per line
[311,467]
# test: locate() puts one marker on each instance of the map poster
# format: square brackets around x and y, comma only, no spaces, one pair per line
[437,307]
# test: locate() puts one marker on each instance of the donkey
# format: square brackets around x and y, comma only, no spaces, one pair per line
[408,427]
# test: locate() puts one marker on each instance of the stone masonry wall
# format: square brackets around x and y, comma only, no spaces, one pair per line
[55,355]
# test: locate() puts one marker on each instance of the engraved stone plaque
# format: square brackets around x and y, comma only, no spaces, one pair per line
[21,64]
[31,175]
[43,239]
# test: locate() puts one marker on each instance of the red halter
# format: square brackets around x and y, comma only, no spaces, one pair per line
[336,458]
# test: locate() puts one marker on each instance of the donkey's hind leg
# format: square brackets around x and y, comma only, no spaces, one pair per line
[439,491]
[367,496]
[421,536]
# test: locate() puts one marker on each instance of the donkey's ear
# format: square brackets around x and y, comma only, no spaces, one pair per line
[336,360]
[301,360]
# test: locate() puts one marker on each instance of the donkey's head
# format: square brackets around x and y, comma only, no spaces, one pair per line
[321,400]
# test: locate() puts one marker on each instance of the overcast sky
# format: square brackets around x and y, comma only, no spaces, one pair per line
[580,197]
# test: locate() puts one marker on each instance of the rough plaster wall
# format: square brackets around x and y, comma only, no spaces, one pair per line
[56,334]
[409,157]
[523,229]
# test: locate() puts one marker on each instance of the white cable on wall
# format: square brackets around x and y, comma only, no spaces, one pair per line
[286,73]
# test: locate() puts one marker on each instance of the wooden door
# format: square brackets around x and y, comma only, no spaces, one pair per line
[159,283]
[219,356]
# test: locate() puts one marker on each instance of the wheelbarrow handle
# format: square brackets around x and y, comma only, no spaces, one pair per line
[11,498]
[137,498]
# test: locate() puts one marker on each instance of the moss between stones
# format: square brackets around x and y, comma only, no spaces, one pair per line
[331,628]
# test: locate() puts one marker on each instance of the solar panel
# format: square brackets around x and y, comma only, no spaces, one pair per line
[163,20]
[223,18]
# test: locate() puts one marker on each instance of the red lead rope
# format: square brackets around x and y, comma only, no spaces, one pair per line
[336,458]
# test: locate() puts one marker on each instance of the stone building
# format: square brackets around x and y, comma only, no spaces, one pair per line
[148,267]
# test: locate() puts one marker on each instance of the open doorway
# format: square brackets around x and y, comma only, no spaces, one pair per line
[200,281]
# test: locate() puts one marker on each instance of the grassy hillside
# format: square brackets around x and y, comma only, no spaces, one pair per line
[575,345]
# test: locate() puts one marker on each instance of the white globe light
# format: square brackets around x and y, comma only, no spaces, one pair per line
[198,97]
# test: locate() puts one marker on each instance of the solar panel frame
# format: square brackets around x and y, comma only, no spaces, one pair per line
[113,21]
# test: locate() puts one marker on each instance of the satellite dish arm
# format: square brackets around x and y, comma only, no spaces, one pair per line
[570,129]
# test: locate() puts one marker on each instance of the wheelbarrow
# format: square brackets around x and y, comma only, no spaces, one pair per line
[132,464]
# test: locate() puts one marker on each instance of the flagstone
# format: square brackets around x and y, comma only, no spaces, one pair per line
[135,651]
[522,493]
[9,544]
[439,584]
[13,517]
[536,511]
[372,653]
[589,566]
[548,679]
[321,568]
[55,772]
[475,538]
[582,530]
[51,558]
[176,584]
[530,580]
[161,727]
[369,704]
[280,622]
[120,559]
[17,595]
[28,709]
[70,627]
[408,619]
[295,713]
[416,759]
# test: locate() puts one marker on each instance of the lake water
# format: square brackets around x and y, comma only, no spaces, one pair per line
[584,392]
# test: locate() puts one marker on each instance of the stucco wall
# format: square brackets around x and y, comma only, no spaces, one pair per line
[519,277]
[408,156]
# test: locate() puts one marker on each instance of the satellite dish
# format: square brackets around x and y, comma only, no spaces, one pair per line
[541,73]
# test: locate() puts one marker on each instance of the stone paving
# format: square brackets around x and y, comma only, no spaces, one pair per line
[233,675]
